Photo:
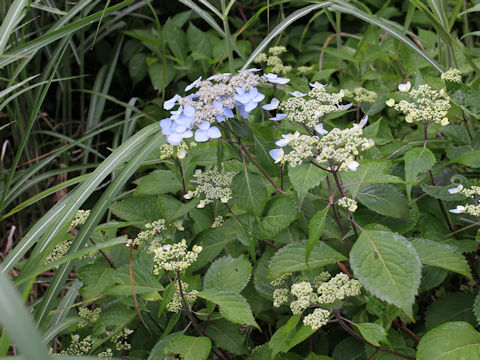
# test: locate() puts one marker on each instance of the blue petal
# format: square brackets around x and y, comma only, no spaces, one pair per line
[214,133]
[273,104]
[201,136]
[167,105]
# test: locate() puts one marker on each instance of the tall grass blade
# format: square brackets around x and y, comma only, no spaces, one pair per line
[15,13]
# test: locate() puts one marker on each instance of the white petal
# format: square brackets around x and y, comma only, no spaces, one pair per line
[364,121]
[460,209]
[320,130]
[345,107]
[277,154]
[297,93]
[278,117]
[273,104]
[405,87]
[353,165]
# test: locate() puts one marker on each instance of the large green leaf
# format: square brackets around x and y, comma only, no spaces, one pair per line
[315,230]
[455,306]
[227,336]
[249,191]
[280,212]
[373,333]
[417,160]
[189,347]
[305,177]
[441,255]
[158,182]
[143,209]
[465,96]
[96,279]
[291,258]
[232,306]
[388,266]
[384,199]
[368,172]
[228,273]
[451,341]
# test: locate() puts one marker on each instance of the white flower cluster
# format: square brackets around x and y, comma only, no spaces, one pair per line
[175,305]
[213,185]
[280,297]
[317,319]
[337,148]
[361,95]
[77,346]
[474,193]
[89,315]
[80,218]
[303,291]
[121,342]
[453,75]
[107,354]
[427,106]
[173,257]
[309,109]
[338,288]
[153,229]
[217,222]
[58,251]
[273,60]
[348,203]
[321,278]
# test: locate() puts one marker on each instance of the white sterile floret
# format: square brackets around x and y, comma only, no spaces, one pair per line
[273,104]
[173,257]
[456,189]
[390,102]
[348,203]
[280,297]
[458,210]
[427,106]
[338,288]
[405,87]
[212,185]
[152,230]
[80,218]
[175,305]
[453,75]
[317,319]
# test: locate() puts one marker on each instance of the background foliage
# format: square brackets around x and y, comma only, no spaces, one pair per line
[82,90]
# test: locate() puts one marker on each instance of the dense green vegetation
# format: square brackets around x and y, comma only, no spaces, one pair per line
[323,206]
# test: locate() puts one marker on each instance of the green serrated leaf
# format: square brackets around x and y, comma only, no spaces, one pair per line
[280,212]
[384,199]
[142,209]
[315,230]
[441,255]
[158,182]
[228,273]
[96,279]
[189,347]
[305,177]
[417,161]
[451,341]
[249,191]
[455,306]
[227,336]
[291,258]
[388,266]
[232,306]
[373,333]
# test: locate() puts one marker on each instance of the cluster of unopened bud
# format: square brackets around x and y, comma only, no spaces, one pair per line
[212,185]
[107,354]
[338,288]
[348,203]
[303,291]
[309,108]
[317,319]
[175,305]
[427,106]
[273,60]
[361,95]
[339,147]
[473,192]
[217,222]
[305,69]
[152,230]
[90,316]
[58,251]
[280,297]
[80,218]
[173,257]
[77,346]
[281,279]
[453,75]
[121,340]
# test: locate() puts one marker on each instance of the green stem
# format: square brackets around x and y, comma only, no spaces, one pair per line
[226,29]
